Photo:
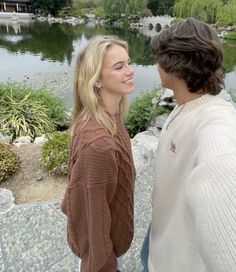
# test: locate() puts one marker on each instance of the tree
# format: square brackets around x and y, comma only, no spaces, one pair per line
[206,10]
[86,4]
[161,7]
[50,6]
[227,15]
[128,7]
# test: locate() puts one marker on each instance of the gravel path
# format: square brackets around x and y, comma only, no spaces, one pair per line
[33,237]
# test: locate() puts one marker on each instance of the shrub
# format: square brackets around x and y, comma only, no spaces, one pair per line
[9,161]
[55,105]
[142,112]
[55,153]
[233,95]
[23,117]
[230,36]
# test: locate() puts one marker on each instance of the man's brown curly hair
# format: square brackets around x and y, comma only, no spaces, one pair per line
[191,51]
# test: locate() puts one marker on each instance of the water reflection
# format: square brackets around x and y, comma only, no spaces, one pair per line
[55,42]
[37,38]
[41,47]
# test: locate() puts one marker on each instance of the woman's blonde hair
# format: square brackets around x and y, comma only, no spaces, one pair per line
[87,72]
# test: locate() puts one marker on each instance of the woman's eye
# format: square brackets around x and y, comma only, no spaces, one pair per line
[119,67]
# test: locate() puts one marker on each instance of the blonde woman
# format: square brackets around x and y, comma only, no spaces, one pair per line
[98,200]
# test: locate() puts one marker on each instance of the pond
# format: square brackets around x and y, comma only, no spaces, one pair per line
[43,53]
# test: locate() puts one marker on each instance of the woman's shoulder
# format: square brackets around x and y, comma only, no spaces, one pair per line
[93,134]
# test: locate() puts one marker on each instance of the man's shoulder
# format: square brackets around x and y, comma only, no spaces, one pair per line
[218,111]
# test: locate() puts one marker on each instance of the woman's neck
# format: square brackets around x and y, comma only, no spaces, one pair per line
[111,102]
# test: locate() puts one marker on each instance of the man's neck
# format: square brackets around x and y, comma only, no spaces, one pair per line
[183,96]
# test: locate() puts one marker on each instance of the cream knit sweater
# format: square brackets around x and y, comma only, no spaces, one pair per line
[194,199]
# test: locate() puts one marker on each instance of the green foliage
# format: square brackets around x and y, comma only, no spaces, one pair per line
[22,117]
[206,10]
[233,95]
[55,153]
[56,108]
[142,112]
[81,7]
[161,7]
[118,7]
[229,59]
[230,36]
[227,15]
[53,42]
[50,6]
[86,3]
[66,11]
[9,161]
[55,105]
[99,12]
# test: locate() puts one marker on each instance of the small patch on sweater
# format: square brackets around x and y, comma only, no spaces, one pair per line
[172,147]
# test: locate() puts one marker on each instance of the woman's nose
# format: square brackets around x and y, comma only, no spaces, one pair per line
[130,69]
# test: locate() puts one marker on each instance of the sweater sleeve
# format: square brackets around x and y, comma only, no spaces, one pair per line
[88,196]
[212,197]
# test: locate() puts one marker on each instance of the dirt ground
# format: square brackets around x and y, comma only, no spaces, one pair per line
[25,184]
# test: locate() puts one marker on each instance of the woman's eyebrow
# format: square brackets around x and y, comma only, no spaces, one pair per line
[119,62]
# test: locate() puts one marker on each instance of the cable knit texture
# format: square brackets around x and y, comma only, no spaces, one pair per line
[194,197]
[98,200]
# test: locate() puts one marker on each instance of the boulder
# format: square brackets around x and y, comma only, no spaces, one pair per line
[6,200]
[226,96]
[167,99]
[40,140]
[5,139]
[22,140]
[144,148]
[160,120]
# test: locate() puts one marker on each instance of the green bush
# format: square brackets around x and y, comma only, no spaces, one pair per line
[230,36]
[232,93]
[55,153]
[23,117]
[142,112]
[9,161]
[55,105]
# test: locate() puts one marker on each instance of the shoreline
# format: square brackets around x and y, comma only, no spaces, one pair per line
[61,83]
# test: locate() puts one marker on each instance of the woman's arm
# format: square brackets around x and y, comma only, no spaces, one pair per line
[90,191]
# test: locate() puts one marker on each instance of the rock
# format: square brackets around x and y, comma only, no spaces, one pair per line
[160,120]
[39,177]
[144,149]
[6,200]
[226,96]
[167,99]
[5,139]
[40,140]
[154,131]
[22,140]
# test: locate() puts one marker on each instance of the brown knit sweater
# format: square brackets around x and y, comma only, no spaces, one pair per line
[98,200]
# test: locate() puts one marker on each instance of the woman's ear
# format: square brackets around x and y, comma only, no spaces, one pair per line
[98,84]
